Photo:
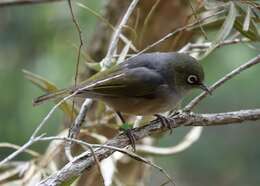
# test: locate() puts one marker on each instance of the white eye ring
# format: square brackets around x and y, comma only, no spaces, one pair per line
[192,79]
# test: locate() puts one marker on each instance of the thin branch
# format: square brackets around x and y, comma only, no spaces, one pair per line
[190,138]
[16,147]
[85,162]
[24,2]
[106,22]
[34,136]
[79,50]
[80,118]
[147,19]
[113,45]
[75,129]
[220,82]
[91,146]
[196,17]
[206,45]
[80,40]
[169,35]
[20,150]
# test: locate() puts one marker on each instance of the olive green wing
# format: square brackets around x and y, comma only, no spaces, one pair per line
[136,82]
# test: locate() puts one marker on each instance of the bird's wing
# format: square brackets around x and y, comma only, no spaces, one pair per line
[136,82]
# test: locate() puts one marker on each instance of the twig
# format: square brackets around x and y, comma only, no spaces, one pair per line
[75,129]
[205,45]
[147,19]
[220,82]
[13,146]
[113,44]
[79,49]
[196,17]
[169,35]
[91,146]
[24,2]
[20,150]
[106,22]
[34,136]
[50,113]
[190,138]
[80,40]
[85,162]
[80,118]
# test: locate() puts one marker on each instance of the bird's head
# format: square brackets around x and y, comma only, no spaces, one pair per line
[189,73]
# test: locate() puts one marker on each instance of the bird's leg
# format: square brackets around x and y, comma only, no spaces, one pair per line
[166,122]
[127,131]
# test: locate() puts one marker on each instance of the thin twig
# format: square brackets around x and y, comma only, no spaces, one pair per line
[147,19]
[80,118]
[33,137]
[4,3]
[80,40]
[113,44]
[199,22]
[220,82]
[39,127]
[190,138]
[79,49]
[75,129]
[91,146]
[169,35]
[16,147]
[197,48]
[20,150]
[106,22]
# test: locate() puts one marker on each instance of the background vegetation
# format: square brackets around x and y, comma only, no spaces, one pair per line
[42,39]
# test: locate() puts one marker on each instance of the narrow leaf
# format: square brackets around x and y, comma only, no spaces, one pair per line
[48,87]
[247,19]
[228,23]
[252,33]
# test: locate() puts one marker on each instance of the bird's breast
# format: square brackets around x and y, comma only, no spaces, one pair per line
[146,105]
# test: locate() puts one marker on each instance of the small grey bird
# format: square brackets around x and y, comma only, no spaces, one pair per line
[143,85]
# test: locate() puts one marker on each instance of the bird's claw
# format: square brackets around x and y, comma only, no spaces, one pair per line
[131,138]
[166,122]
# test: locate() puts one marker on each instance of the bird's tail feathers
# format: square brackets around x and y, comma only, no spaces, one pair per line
[53,95]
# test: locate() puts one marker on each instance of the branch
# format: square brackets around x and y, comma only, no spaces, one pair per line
[113,45]
[23,2]
[178,30]
[190,138]
[85,162]
[220,82]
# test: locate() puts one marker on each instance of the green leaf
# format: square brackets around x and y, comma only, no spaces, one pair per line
[48,87]
[245,23]
[247,20]
[225,29]
[228,23]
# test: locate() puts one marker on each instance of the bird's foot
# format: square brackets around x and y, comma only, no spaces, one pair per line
[166,122]
[130,136]
[174,113]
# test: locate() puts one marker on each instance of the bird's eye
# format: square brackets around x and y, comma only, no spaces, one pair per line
[192,79]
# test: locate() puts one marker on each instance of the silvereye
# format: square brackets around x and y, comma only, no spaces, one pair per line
[143,85]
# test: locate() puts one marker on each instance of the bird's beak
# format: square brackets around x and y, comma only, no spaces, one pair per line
[205,88]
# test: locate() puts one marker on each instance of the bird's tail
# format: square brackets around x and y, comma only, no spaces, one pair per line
[53,95]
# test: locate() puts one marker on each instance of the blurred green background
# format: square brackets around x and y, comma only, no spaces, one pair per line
[42,39]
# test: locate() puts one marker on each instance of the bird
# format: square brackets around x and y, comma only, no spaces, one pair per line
[147,84]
